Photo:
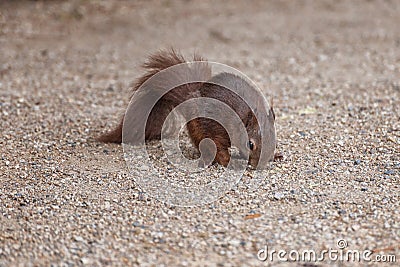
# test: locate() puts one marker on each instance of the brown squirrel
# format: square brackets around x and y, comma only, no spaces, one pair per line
[200,128]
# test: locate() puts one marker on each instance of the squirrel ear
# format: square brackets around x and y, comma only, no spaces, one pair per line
[271,109]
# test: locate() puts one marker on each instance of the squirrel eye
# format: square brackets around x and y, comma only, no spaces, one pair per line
[251,145]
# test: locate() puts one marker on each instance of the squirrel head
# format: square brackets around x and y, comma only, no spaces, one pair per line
[257,116]
[261,139]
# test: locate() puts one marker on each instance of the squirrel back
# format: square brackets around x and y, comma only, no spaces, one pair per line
[155,64]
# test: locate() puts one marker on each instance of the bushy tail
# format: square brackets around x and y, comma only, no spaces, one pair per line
[155,64]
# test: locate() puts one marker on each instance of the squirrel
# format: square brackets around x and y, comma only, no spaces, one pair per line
[200,128]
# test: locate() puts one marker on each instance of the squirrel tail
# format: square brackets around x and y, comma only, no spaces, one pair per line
[156,63]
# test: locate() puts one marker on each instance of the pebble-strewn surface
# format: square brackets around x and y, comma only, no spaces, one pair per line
[333,68]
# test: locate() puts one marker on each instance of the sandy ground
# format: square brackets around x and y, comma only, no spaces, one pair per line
[333,68]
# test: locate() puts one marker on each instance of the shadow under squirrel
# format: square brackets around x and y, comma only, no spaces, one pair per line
[200,128]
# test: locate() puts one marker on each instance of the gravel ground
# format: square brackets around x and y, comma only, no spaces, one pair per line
[333,68]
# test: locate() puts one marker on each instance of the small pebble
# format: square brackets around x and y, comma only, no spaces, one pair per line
[279,195]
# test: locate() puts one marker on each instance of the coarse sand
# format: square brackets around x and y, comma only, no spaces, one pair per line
[332,68]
